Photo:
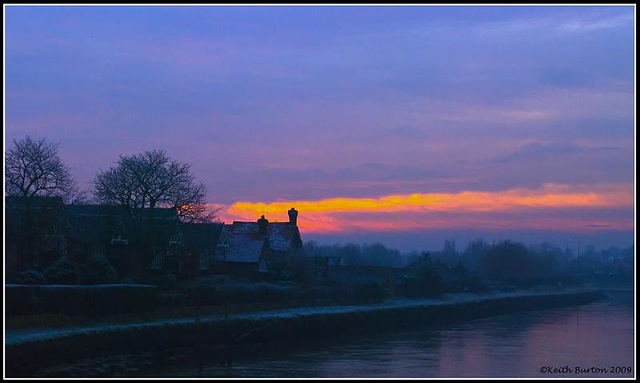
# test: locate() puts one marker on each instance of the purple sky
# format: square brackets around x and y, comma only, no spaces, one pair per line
[313,103]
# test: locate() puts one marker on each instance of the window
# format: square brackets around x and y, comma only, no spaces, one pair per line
[118,240]
[204,261]
[263,266]
[158,262]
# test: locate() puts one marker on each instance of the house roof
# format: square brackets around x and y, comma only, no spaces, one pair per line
[93,229]
[46,213]
[244,247]
[201,235]
[282,236]
[99,223]
[246,241]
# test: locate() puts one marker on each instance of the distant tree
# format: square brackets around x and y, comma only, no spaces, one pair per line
[311,248]
[449,247]
[379,255]
[151,180]
[34,169]
[474,251]
[508,261]
[351,253]
[411,257]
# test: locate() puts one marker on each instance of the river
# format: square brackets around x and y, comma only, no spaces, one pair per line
[546,343]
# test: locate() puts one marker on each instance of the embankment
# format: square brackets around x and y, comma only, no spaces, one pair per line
[30,351]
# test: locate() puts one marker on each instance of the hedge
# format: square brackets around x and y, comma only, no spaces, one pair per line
[79,299]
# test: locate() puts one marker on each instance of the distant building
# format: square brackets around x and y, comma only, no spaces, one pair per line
[34,228]
[257,249]
[142,242]
[131,246]
[200,244]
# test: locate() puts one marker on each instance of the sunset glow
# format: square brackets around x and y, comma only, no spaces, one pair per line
[450,210]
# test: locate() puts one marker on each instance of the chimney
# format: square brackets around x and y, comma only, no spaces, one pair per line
[293,217]
[262,225]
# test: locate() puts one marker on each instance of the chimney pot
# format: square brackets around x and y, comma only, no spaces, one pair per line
[262,225]
[293,216]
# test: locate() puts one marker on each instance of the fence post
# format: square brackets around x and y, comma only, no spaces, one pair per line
[198,348]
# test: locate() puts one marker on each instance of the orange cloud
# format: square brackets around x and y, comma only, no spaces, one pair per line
[426,209]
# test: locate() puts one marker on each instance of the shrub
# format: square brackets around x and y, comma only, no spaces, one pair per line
[63,272]
[31,277]
[97,270]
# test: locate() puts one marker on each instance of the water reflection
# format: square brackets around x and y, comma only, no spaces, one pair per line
[515,345]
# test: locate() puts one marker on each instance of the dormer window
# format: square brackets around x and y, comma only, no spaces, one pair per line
[119,240]
[176,236]
[262,266]
[175,240]
[118,237]
[222,242]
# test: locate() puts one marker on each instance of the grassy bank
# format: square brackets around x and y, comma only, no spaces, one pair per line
[28,352]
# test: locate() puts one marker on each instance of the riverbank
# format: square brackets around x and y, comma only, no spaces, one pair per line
[31,351]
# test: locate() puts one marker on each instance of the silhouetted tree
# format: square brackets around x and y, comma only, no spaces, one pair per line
[449,247]
[34,169]
[151,180]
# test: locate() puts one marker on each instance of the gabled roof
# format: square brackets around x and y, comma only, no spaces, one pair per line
[244,247]
[93,228]
[201,235]
[99,223]
[159,213]
[282,236]
[246,242]
[96,210]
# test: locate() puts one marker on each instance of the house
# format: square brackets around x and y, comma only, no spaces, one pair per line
[131,247]
[200,243]
[33,233]
[259,249]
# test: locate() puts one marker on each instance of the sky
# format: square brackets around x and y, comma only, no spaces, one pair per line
[401,125]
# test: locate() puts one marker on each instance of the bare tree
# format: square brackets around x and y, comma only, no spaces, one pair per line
[34,169]
[150,180]
[198,213]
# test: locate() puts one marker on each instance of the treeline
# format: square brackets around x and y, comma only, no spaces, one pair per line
[354,254]
[505,263]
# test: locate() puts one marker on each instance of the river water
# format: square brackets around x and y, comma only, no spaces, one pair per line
[547,343]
